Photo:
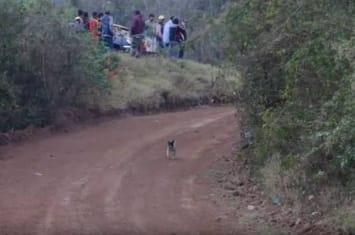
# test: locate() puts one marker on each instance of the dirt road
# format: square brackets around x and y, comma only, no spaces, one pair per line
[113,178]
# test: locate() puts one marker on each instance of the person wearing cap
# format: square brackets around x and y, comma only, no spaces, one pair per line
[79,17]
[160,30]
[150,34]
[78,23]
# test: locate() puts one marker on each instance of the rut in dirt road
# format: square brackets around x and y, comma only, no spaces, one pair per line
[114,178]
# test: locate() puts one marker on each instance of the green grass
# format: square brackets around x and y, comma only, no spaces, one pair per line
[149,83]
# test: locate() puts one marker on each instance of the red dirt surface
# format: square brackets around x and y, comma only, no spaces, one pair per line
[114,178]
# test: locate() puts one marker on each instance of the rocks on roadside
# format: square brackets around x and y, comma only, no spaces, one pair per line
[220,218]
[38,174]
[229,186]
[316,213]
[296,223]
[236,193]
[221,180]
[306,228]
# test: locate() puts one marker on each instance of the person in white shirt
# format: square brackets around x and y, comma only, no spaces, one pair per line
[166,32]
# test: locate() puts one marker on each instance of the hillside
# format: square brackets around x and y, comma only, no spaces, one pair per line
[151,83]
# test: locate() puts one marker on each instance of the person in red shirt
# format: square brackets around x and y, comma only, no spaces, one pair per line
[94,26]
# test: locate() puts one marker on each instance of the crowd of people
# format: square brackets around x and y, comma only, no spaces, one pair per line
[99,25]
[167,37]
[147,36]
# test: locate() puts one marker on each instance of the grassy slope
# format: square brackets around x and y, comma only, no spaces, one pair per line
[150,83]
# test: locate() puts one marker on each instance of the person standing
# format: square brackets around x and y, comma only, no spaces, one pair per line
[99,26]
[78,23]
[181,38]
[86,20]
[173,39]
[107,30]
[166,31]
[150,34]
[94,25]
[137,33]
[79,17]
[159,31]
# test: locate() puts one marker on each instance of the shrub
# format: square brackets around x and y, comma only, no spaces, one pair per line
[297,59]
[46,66]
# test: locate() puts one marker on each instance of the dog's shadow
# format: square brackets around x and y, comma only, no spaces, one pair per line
[175,159]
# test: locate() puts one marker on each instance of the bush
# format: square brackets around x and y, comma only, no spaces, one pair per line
[298,96]
[46,66]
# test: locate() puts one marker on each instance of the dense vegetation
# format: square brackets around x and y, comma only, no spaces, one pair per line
[298,60]
[45,65]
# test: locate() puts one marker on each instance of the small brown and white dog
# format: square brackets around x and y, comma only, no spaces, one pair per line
[171,149]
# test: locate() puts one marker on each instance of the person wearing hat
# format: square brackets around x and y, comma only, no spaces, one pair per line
[78,23]
[79,18]
[160,30]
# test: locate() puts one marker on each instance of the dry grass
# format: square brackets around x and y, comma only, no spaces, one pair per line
[343,217]
[279,183]
[149,83]
[336,207]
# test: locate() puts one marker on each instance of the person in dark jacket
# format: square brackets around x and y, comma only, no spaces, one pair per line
[86,20]
[137,33]
[99,18]
[181,38]
[173,39]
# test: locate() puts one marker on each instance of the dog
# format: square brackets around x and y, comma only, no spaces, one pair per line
[171,149]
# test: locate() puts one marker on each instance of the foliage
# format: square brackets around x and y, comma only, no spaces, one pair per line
[298,60]
[45,65]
